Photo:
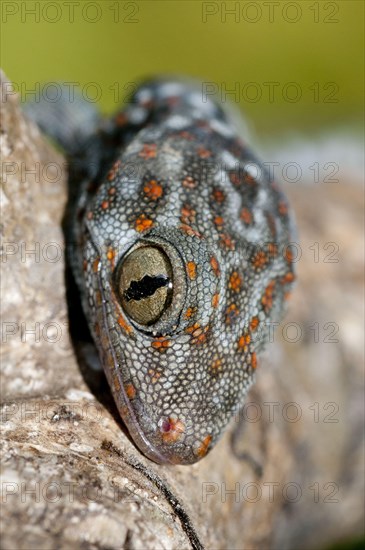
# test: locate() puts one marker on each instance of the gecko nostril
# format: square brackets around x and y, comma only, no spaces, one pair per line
[172,429]
[165,425]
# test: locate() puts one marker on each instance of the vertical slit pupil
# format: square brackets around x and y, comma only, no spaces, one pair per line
[145,287]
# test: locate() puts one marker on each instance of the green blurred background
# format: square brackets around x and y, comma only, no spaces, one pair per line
[315,45]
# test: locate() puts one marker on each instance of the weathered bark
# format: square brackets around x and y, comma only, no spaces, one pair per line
[71,476]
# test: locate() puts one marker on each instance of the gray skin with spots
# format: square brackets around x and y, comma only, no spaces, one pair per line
[170,172]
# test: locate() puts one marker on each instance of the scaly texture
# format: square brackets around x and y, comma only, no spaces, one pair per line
[169,175]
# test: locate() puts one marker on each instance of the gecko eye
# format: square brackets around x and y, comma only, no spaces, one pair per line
[145,284]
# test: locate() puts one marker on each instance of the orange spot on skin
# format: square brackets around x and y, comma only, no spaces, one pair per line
[116,383]
[185,135]
[282,208]
[153,190]
[287,295]
[218,195]
[203,153]
[272,250]
[271,223]
[259,259]
[191,269]
[288,254]
[198,333]
[228,242]
[267,299]
[149,151]
[188,215]
[84,265]
[216,365]
[246,216]
[111,255]
[161,344]
[111,191]
[155,375]
[215,266]
[190,231]
[190,312]
[243,342]
[203,449]
[130,390]
[218,222]
[113,171]
[121,119]
[189,182]
[172,429]
[288,278]
[89,215]
[253,360]
[123,323]
[254,323]
[235,281]
[231,314]
[215,300]
[235,178]
[143,223]
[105,205]
[191,329]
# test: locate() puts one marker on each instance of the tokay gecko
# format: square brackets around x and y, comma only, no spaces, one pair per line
[181,253]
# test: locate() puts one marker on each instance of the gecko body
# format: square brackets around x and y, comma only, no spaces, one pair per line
[182,256]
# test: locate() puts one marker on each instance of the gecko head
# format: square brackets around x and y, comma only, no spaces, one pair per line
[162,345]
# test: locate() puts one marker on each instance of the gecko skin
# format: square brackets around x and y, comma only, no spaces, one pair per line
[182,259]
